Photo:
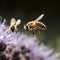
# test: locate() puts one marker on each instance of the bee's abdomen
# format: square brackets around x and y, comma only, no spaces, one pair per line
[12,28]
[41,26]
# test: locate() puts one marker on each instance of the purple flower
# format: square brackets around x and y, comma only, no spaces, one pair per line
[21,46]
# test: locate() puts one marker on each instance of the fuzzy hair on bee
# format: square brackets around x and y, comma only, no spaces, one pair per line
[14,24]
[35,25]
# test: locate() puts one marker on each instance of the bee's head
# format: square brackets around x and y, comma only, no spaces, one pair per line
[25,27]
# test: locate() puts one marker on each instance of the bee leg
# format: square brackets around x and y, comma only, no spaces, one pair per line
[16,31]
[33,33]
[39,31]
[9,30]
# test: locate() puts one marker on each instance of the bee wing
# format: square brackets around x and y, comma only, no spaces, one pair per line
[18,22]
[13,21]
[39,18]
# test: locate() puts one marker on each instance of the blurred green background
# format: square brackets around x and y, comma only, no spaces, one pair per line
[28,10]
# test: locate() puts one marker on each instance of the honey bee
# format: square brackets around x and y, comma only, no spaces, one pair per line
[14,24]
[35,25]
